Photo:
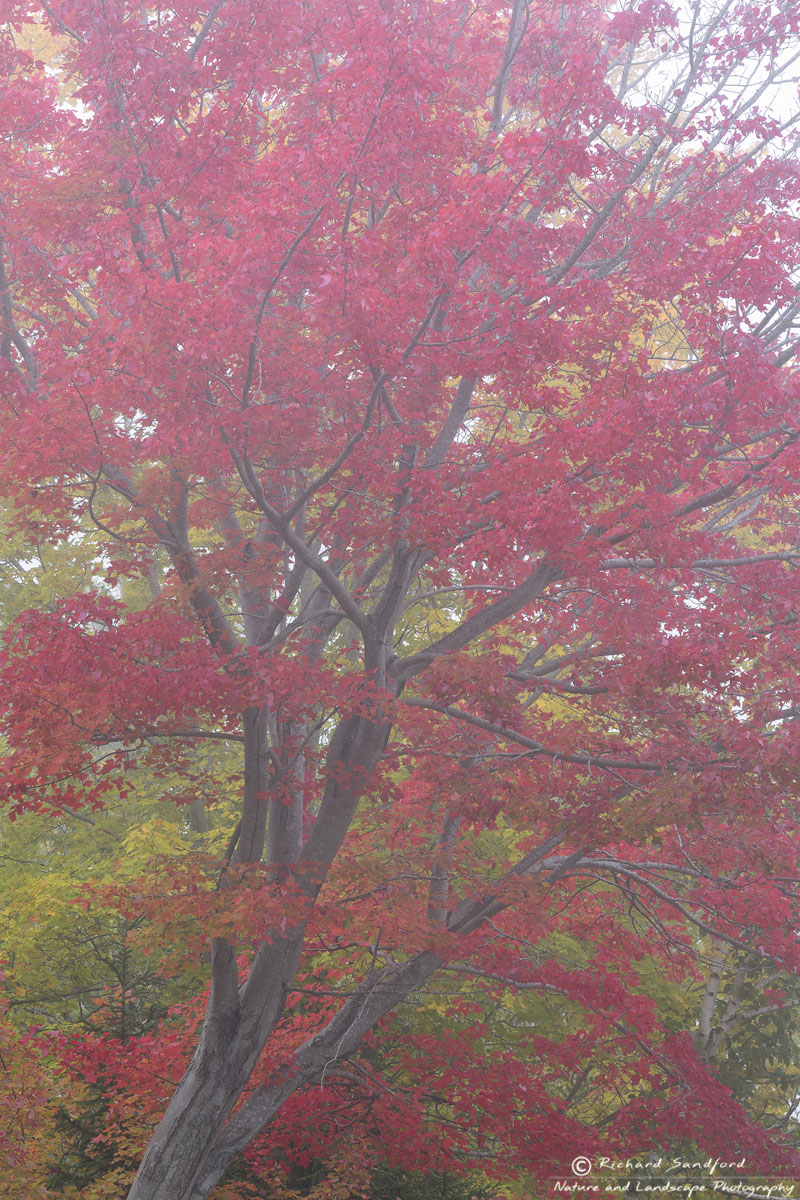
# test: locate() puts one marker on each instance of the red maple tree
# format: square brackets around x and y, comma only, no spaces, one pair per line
[442,355]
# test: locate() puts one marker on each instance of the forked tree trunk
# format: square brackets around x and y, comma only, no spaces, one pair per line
[195,1142]
[192,1146]
[232,1039]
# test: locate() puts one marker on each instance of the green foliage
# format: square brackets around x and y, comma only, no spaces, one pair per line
[86,1154]
[391,1184]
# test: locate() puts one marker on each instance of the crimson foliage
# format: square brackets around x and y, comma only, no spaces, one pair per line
[439,358]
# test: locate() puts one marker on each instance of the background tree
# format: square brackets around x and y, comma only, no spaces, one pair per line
[445,355]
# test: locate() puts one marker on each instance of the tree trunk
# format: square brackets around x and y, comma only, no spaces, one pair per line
[233,1038]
